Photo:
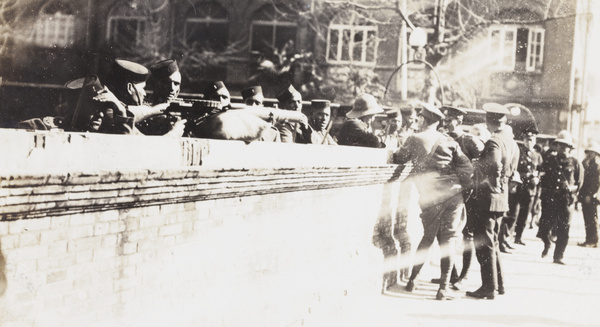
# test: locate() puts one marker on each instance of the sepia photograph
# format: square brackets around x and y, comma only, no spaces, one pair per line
[286,163]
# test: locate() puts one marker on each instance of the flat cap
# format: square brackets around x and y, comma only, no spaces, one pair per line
[320,104]
[128,71]
[213,88]
[453,111]
[164,68]
[286,94]
[431,112]
[495,111]
[251,91]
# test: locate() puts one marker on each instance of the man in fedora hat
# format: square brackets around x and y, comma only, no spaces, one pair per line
[319,124]
[521,201]
[493,170]
[562,175]
[356,130]
[588,195]
[442,174]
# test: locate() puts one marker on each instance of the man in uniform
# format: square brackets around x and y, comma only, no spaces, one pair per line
[253,96]
[356,130]
[588,195]
[442,174]
[290,99]
[166,80]
[562,175]
[521,201]
[493,170]
[319,123]
[471,146]
[218,92]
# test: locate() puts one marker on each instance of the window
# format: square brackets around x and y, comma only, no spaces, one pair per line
[514,48]
[54,30]
[272,29]
[209,28]
[351,43]
[126,30]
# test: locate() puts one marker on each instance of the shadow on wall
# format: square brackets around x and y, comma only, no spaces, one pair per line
[2,272]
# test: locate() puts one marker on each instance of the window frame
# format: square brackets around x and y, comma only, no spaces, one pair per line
[341,28]
[55,23]
[208,21]
[273,24]
[139,35]
[533,61]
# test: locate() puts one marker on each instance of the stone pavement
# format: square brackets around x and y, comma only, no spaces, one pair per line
[538,293]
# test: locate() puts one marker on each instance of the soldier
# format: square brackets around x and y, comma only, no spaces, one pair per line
[253,96]
[356,131]
[166,80]
[588,195]
[218,92]
[471,146]
[319,124]
[441,173]
[562,175]
[520,202]
[391,133]
[290,99]
[495,166]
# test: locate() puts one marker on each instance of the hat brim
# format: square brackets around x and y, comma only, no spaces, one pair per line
[564,142]
[358,114]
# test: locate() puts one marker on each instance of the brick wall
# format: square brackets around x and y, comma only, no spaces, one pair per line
[195,246]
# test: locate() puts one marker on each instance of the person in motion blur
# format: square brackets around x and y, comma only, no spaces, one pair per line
[442,174]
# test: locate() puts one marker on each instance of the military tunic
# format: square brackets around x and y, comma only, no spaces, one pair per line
[561,177]
[588,197]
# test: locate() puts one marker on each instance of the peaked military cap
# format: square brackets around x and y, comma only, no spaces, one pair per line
[128,71]
[89,80]
[286,94]
[431,112]
[320,104]
[213,88]
[164,68]
[453,111]
[495,111]
[530,131]
[251,91]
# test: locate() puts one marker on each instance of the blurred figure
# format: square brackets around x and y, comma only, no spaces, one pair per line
[588,195]
[442,174]
[496,164]
[391,134]
[356,131]
[562,175]
[253,96]
[520,202]
[218,92]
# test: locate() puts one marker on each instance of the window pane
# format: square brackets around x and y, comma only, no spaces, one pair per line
[333,44]
[522,42]
[262,39]
[509,49]
[284,34]
[346,45]
[371,44]
[211,36]
[358,46]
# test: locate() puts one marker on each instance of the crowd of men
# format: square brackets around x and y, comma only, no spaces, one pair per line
[476,189]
